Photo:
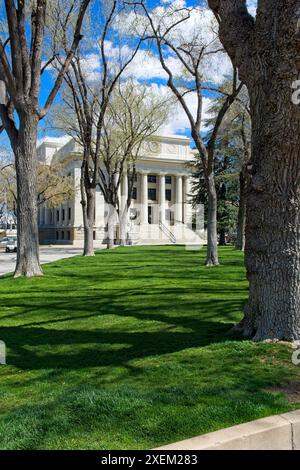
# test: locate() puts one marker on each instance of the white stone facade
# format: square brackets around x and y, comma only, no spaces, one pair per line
[160,211]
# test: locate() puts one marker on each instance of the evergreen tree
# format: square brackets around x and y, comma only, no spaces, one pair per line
[232,154]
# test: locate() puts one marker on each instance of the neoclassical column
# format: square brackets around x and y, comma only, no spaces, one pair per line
[144,198]
[178,200]
[46,216]
[187,189]
[162,198]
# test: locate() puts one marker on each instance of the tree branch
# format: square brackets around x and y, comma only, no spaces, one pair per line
[77,38]
[236,30]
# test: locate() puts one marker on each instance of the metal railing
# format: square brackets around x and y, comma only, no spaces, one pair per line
[167,232]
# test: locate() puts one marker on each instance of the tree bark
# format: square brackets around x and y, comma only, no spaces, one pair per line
[267,53]
[28,263]
[111,228]
[241,222]
[123,227]
[272,222]
[212,235]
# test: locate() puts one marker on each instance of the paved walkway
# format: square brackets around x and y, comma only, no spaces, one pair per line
[47,254]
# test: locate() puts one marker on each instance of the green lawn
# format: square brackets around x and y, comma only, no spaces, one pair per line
[131,349]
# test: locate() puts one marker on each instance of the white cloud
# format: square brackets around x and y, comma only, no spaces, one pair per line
[147,66]
[252,6]
[201,28]
[178,121]
[90,65]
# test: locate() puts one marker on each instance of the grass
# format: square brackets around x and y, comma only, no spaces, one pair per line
[131,349]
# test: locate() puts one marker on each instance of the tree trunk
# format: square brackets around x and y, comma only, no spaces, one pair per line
[89,216]
[88,195]
[222,238]
[28,263]
[273,199]
[123,227]
[266,51]
[241,222]
[272,220]
[111,228]
[212,236]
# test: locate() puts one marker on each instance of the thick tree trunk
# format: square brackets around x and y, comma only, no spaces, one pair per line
[266,51]
[88,195]
[272,220]
[28,263]
[273,198]
[241,222]
[212,236]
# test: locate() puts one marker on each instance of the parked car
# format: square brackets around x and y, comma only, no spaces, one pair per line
[11,246]
[5,240]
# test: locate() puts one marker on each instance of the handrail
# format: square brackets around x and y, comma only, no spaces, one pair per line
[167,232]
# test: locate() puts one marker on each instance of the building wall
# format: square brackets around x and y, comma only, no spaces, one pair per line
[164,163]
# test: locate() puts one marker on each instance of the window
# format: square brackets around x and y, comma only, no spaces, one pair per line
[94,234]
[168,179]
[69,235]
[134,193]
[63,214]
[70,213]
[57,236]
[152,194]
[168,195]
[57,216]
[62,235]
[151,178]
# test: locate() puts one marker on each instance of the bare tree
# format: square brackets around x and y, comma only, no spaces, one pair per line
[53,187]
[134,114]
[266,49]
[7,202]
[190,53]
[22,57]
[88,98]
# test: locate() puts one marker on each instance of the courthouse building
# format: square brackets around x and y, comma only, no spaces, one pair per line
[160,211]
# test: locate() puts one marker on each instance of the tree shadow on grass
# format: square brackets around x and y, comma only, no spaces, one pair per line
[98,348]
[78,340]
[81,324]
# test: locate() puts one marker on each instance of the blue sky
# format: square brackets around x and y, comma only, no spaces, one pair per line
[147,68]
